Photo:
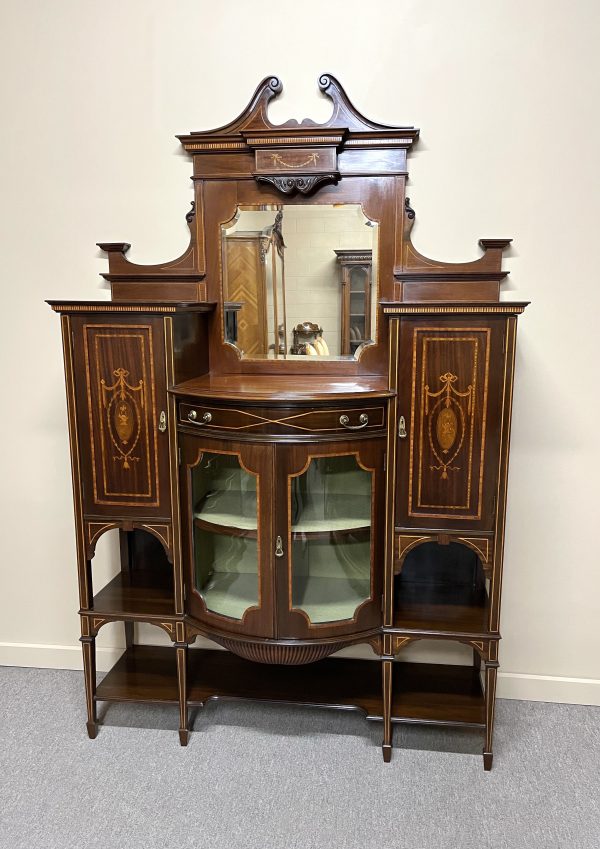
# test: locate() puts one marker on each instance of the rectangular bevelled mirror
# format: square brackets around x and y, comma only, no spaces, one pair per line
[300,281]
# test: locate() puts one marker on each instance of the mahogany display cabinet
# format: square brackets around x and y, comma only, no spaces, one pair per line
[288,505]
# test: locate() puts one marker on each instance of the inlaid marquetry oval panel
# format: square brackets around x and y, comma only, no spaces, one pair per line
[446,427]
[123,417]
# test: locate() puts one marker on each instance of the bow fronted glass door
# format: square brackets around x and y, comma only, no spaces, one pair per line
[330,518]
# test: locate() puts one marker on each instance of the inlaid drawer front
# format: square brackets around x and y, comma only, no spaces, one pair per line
[283,420]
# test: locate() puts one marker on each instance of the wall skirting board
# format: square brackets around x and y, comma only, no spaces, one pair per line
[511,685]
[54,657]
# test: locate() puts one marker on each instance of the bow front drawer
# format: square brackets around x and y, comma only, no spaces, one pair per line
[284,421]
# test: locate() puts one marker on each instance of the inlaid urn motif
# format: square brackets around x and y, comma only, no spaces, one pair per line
[123,417]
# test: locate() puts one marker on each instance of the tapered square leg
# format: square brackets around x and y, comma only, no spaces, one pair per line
[89,674]
[182,651]
[386,746]
[491,671]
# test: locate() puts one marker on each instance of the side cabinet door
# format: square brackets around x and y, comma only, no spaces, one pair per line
[449,415]
[121,395]
[329,538]
[227,507]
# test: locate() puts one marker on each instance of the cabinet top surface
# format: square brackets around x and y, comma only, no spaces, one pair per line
[130,306]
[465,307]
[278,388]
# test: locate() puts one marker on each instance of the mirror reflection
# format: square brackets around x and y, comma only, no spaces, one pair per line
[300,281]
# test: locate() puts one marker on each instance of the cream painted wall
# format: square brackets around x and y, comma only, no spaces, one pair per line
[506,94]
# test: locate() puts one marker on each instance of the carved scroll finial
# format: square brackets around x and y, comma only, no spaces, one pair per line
[189,216]
[410,213]
[275,85]
[324,82]
[345,114]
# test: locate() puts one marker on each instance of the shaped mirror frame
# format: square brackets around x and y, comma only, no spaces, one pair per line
[300,281]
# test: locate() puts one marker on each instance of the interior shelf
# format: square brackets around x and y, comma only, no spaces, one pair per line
[229,509]
[440,608]
[229,530]
[427,693]
[231,593]
[361,533]
[141,592]
[344,513]
[329,599]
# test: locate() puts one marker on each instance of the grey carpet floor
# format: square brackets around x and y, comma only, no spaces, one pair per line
[280,777]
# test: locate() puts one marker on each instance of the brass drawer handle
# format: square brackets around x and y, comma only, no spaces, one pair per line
[363,419]
[278,547]
[193,416]
[162,421]
[402,428]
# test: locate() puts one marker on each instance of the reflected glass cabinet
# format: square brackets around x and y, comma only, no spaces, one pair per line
[356,281]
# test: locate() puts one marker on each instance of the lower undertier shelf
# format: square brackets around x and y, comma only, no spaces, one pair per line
[426,693]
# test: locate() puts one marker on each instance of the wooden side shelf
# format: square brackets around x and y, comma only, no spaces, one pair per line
[440,608]
[427,693]
[142,592]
